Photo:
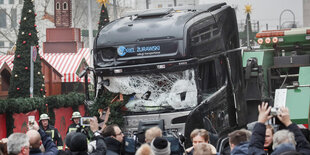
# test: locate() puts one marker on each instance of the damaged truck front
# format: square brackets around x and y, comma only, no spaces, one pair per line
[179,65]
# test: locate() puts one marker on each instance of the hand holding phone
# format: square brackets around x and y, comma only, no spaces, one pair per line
[85,121]
[32,124]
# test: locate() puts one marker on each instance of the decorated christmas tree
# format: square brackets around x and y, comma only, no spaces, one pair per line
[27,37]
[104,16]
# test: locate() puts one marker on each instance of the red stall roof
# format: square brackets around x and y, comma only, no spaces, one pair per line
[68,63]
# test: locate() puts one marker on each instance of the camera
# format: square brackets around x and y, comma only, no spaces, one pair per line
[274,111]
[85,121]
[31,120]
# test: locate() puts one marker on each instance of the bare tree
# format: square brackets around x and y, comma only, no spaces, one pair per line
[10,33]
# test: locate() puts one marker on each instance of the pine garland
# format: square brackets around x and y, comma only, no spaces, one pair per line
[24,105]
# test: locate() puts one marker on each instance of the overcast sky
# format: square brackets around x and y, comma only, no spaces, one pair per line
[266,11]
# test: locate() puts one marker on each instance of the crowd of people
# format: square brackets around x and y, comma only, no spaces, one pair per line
[44,139]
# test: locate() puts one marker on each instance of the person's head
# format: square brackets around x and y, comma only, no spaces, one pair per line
[283,136]
[18,144]
[113,131]
[248,134]
[68,139]
[202,149]
[144,149]
[44,120]
[152,133]
[34,138]
[78,142]
[269,135]
[199,136]
[160,146]
[76,117]
[236,137]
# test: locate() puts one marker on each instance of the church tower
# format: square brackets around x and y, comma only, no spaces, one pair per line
[63,38]
[63,13]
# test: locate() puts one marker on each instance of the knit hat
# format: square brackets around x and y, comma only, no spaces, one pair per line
[78,142]
[160,146]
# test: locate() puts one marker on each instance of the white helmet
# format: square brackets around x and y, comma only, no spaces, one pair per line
[76,115]
[44,116]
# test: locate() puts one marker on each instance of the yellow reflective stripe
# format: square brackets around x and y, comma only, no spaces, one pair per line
[72,129]
[59,147]
[52,134]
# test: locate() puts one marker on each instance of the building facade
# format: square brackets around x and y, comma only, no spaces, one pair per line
[10,11]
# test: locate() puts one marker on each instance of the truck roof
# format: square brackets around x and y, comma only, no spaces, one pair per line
[154,24]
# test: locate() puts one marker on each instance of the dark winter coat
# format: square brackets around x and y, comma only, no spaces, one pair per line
[241,149]
[50,147]
[101,147]
[302,145]
[113,146]
[72,127]
[256,146]
[53,132]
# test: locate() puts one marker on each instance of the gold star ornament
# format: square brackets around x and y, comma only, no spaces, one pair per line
[248,8]
[105,2]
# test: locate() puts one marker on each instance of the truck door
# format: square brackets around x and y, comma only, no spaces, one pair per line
[212,113]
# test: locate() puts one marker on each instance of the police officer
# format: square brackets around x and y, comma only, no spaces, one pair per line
[50,130]
[76,121]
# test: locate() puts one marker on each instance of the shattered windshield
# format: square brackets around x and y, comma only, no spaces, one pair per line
[157,91]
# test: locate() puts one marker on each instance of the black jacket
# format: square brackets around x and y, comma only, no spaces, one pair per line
[50,147]
[54,134]
[302,145]
[256,146]
[113,146]
[72,127]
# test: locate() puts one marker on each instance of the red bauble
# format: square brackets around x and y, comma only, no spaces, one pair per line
[12,61]
[102,11]
[24,42]
[41,58]
[35,25]
[18,56]
[29,34]
[26,68]
[35,14]
[37,46]
[41,89]
[17,88]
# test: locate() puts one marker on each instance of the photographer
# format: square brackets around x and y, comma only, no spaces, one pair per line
[284,141]
[37,137]
[98,145]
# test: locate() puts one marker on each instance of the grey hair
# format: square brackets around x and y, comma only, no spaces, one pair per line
[283,136]
[16,141]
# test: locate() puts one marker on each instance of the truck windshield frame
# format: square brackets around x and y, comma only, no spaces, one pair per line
[163,91]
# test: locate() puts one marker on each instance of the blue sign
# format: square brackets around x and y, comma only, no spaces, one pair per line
[122,50]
